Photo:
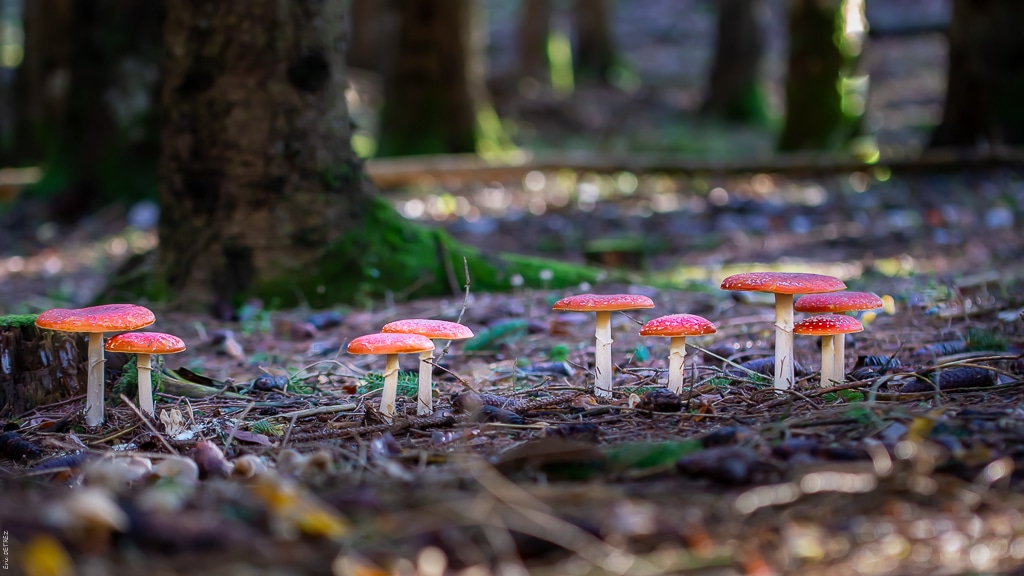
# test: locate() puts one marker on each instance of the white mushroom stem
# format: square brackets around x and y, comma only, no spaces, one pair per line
[145,383]
[387,399]
[839,343]
[783,341]
[94,390]
[828,360]
[676,359]
[424,401]
[603,356]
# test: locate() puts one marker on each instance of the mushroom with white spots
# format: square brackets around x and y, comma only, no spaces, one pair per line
[828,326]
[435,330]
[784,285]
[391,345]
[838,302]
[603,305]
[95,320]
[677,327]
[144,345]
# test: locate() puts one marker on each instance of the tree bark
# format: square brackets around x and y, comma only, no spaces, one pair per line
[735,90]
[814,116]
[594,53]
[985,82]
[432,89]
[258,173]
[533,32]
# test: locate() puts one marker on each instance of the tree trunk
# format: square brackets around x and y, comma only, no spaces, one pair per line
[814,115]
[366,25]
[594,53]
[41,81]
[534,29]
[89,75]
[735,91]
[261,193]
[985,82]
[431,86]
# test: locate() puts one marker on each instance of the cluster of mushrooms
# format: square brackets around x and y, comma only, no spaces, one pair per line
[824,295]
[123,318]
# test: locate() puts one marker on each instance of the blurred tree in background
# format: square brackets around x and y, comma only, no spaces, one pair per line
[824,41]
[735,89]
[433,82]
[594,48]
[985,84]
[533,32]
[84,100]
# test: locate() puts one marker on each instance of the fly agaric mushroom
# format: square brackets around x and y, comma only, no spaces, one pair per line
[391,345]
[433,329]
[144,345]
[838,302]
[784,285]
[95,320]
[677,327]
[828,326]
[603,305]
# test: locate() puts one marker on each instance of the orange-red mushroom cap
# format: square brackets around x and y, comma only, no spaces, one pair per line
[675,325]
[105,318]
[145,343]
[837,302]
[603,303]
[827,325]
[390,343]
[440,329]
[783,283]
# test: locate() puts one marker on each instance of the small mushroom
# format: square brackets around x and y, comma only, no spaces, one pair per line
[144,345]
[838,302]
[784,285]
[95,320]
[677,327]
[827,326]
[390,345]
[433,329]
[603,305]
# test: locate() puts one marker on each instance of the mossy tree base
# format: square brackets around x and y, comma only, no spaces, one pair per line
[390,256]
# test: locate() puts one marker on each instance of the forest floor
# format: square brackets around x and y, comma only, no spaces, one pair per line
[520,469]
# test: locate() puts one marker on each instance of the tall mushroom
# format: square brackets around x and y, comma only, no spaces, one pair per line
[390,345]
[144,345]
[677,327]
[435,330]
[784,285]
[95,320]
[603,305]
[828,326]
[838,302]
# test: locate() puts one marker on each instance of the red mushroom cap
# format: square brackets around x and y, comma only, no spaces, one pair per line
[837,302]
[390,343]
[441,329]
[603,302]
[783,283]
[145,343]
[105,318]
[678,325]
[827,325]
